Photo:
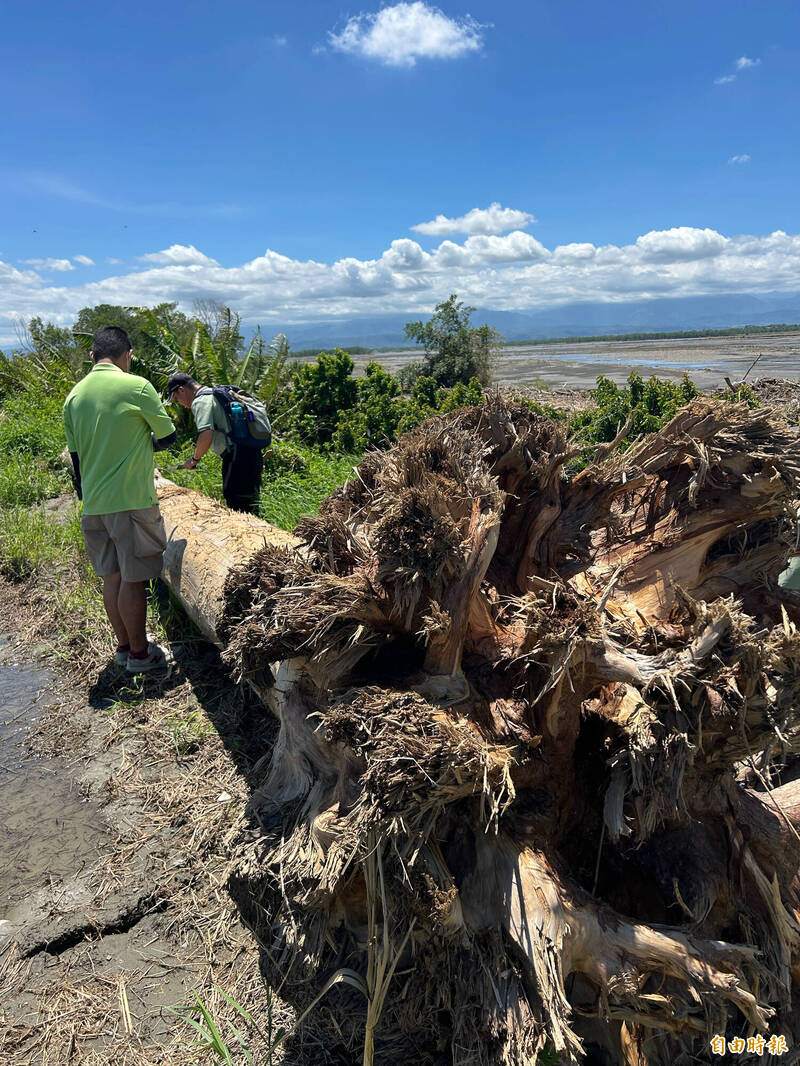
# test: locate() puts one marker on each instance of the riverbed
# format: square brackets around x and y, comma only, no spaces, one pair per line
[707,360]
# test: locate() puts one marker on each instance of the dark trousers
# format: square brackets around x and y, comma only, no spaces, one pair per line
[241,478]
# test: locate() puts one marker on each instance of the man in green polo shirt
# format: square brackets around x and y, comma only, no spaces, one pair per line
[113,421]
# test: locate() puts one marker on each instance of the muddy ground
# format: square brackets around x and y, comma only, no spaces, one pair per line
[577,364]
[112,892]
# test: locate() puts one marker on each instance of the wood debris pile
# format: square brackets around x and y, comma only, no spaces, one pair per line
[533,781]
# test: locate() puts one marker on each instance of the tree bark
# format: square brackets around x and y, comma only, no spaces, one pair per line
[205,542]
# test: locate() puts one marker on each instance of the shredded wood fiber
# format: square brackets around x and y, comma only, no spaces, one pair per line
[533,778]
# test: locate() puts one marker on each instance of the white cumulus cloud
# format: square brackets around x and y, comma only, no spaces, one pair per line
[84,260]
[577,253]
[680,244]
[510,271]
[516,247]
[401,34]
[179,255]
[59,265]
[486,220]
[744,158]
[743,62]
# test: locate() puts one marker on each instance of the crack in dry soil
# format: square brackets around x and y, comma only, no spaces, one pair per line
[95,956]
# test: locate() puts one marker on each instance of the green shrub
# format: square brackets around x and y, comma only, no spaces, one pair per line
[319,394]
[544,410]
[373,422]
[741,393]
[648,404]
[461,395]
[285,457]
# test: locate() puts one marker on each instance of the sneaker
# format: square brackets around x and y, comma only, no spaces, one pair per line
[156,659]
[120,658]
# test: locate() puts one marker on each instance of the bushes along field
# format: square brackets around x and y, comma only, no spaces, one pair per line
[324,417]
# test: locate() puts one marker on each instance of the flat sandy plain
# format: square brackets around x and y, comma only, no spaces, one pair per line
[707,360]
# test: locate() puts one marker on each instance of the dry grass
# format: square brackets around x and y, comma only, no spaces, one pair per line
[168,760]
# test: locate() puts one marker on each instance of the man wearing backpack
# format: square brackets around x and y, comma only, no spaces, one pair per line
[221,416]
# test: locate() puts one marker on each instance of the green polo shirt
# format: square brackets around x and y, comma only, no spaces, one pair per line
[208,413]
[108,418]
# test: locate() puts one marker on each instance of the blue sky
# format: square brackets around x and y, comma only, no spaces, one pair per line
[634,149]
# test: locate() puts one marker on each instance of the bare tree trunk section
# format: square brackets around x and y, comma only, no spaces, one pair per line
[205,541]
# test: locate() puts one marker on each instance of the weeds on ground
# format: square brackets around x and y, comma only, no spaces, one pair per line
[189,730]
[32,543]
[289,495]
[201,1018]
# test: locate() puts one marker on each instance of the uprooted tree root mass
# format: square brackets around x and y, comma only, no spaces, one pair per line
[533,782]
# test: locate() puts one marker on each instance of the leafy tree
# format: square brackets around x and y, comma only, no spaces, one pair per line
[153,331]
[56,359]
[373,422]
[455,351]
[320,392]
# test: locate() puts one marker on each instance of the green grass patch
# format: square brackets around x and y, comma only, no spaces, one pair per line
[25,480]
[206,477]
[31,542]
[289,495]
[31,442]
[297,479]
[31,425]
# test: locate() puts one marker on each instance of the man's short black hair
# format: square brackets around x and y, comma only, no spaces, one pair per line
[110,342]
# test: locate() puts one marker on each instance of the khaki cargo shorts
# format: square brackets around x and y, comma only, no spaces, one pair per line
[131,542]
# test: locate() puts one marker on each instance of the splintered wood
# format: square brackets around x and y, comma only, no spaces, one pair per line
[533,784]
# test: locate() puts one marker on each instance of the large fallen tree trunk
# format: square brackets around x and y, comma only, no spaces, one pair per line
[204,543]
[534,734]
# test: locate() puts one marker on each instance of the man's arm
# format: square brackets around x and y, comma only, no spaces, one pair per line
[161,443]
[154,413]
[202,444]
[76,476]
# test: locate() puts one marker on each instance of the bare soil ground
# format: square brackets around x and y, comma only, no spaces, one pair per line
[91,962]
[707,360]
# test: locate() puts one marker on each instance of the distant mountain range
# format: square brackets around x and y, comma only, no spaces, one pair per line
[568,320]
